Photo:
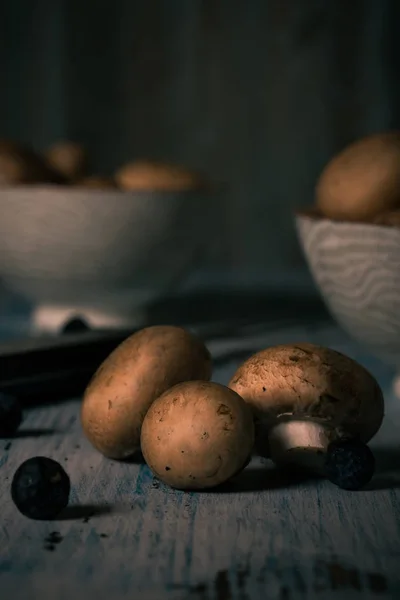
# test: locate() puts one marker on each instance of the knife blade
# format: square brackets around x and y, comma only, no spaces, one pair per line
[40,368]
[47,369]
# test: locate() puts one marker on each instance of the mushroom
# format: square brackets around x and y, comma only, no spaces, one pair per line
[67,158]
[157,176]
[315,408]
[21,165]
[139,370]
[362,180]
[197,435]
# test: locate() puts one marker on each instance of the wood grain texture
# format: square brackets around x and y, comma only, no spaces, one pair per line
[125,535]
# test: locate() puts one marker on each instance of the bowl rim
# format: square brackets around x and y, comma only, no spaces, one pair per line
[207,190]
[313,214]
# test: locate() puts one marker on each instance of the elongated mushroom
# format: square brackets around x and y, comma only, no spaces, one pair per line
[315,408]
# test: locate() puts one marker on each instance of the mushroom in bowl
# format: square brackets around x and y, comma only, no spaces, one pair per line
[100,251]
[351,241]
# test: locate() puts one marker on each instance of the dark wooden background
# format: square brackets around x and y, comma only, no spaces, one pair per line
[257,93]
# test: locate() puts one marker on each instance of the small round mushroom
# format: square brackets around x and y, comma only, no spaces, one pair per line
[197,435]
[156,176]
[363,180]
[68,158]
[308,399]
[139,370]
[20,165]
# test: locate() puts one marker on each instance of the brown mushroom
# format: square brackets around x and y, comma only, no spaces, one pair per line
[68,158]
[20,165]
[144,366]
[148,175]
[306,400]
[197,435]
[363,180]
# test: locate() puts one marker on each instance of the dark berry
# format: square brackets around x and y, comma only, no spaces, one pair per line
[10,415]
[349,464]
[40,488]
[75,325]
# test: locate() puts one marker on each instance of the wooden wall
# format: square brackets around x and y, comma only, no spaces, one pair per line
[257,93]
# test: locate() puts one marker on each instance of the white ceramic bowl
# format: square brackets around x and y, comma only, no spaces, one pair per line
[102,254]
[356,267]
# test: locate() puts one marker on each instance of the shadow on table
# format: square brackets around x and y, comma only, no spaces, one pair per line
[28,433]
[85,512]
[387,474]
[260,479]
[136,459]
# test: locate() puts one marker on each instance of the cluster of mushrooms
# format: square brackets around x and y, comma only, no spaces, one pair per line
[362,182]
[66,163]
[306,407]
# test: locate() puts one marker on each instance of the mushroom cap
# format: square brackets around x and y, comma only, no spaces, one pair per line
[362,180]
[19,165]
[197,435]
[139,370]
[153,175]
[305,381]
[67,157]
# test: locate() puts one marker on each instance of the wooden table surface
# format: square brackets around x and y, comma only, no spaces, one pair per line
[126,536]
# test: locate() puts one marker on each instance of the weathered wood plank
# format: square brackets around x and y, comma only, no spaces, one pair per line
[126,535]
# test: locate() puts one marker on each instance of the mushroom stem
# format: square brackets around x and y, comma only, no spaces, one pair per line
[345,461]
[301,443]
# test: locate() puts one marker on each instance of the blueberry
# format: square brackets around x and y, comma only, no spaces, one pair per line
[75,325]
[10,415]
[349,464]
[40,488]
